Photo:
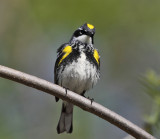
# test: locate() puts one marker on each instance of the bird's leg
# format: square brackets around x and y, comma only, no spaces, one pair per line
[65,90]
[83,94]
[91,99]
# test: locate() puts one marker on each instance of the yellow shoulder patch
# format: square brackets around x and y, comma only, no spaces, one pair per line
[96,55]
[90,26]
[67,50]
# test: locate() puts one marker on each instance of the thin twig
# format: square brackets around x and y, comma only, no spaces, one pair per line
[76,99]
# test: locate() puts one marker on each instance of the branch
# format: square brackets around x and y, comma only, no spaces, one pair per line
[76,99]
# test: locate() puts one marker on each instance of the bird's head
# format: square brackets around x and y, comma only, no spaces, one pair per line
[84,34]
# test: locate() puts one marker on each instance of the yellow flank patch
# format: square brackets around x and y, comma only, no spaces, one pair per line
[96,55]
[67,50]
[90,26]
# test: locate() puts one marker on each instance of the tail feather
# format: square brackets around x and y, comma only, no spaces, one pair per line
[66,118]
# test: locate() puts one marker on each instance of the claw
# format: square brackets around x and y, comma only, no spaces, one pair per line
[91,99]
[65,90]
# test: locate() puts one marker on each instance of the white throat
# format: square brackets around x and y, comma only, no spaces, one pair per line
[84,39]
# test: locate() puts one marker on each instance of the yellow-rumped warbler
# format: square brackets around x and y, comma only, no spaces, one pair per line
[77,68]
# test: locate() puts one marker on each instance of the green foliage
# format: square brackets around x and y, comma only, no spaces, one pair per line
[151,82]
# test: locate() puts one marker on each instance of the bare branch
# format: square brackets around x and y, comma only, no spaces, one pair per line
[76,99]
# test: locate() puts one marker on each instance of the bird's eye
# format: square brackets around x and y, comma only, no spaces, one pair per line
[82,32]
[78,33]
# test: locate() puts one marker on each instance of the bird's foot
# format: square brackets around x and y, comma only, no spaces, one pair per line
[66,89]
[91,99]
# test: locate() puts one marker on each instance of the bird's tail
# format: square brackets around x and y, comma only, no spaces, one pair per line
[65,121]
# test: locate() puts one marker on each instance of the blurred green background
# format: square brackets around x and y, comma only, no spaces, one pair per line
[127,37]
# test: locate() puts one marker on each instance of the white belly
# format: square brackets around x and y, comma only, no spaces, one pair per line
[79,76]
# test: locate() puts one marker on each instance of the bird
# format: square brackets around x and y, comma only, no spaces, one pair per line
[77,68]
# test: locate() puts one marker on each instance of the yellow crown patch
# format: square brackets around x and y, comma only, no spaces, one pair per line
[90,26]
